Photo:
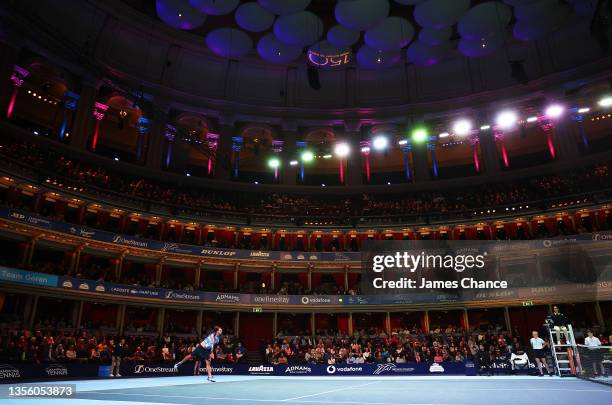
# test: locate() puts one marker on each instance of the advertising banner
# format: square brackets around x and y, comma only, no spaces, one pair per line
[52,371]
[27,277]
[447,368]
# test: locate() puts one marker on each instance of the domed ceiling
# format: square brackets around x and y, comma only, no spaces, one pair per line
[371,33]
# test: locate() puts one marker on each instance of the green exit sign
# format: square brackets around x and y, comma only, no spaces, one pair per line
[527,303]
[257,309]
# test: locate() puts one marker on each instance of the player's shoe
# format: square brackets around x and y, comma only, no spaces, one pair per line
[118,375]
[210,380]
[176,365]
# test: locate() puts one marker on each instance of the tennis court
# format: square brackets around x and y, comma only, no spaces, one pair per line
[245,390]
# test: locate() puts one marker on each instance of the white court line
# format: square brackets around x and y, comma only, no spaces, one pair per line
[330,391]
[181,396]
[367,403]
[263,400]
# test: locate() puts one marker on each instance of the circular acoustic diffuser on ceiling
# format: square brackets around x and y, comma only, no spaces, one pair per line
[299,29]
[478,47]
[215,7]
[253,17]
[273,50]
[283,7]
[425,55]
[326,55]
[229,42]
[526,30]
[390,34]
[440,13]
[490,18]
[409,2]
[340,36]
[433,37]
[375,59]
[179,14]
[359,15]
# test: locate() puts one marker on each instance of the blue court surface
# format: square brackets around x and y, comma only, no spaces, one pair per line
[245,390]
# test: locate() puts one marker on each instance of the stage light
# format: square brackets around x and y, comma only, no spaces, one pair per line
[380,142]
[293,163]
[583,110]
[462,127]
[420,135]
[443,135]
[554,111]
[322,184]
[605,102]
[256,182]
[532,119]
[342,150]
[365,149]
[307,156]
[273,163]
[506,119]
[116,159]
[485,127]
[403,142]
[188,174]
[327,156]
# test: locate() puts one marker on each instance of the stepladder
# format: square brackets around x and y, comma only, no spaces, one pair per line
[564,350]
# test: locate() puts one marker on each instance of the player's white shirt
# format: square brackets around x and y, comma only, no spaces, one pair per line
[592,341]
[537,343]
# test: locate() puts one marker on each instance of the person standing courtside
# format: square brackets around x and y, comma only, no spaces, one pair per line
[537,344]
[119,351]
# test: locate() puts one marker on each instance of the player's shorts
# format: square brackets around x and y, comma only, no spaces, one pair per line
[200,353]
[539,353]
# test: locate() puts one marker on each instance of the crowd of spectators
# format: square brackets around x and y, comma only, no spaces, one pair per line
[57,341]
[490,347]
[97,180]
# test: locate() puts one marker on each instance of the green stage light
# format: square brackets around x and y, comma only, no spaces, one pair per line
[419,135]
[273,163]
[307,156]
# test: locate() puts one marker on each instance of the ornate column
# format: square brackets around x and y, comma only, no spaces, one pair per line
[83,119]
[236,148]
[579,118]
[488,148]
[406,148]
[142,125]
[17,77]
[421,166]
[365,151]
[564,133]
[98,112]
[507,319]
[212,141]
[9,56]
[353,132]
[223,156]
[155,152]
[475,142]
[71,100]
[277,149]
[170,137]
[431,146]
[549,129]
[499,138]
[290,154]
